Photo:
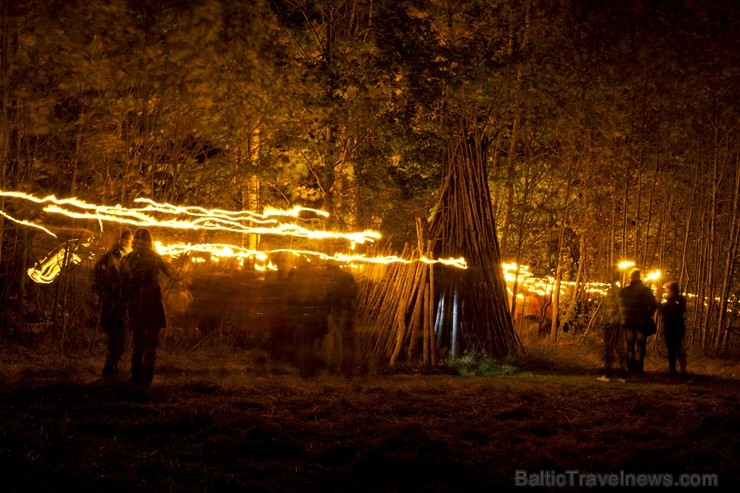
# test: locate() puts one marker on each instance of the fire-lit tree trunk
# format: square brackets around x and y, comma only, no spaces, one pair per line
[8,35]
[684,265]
[625,208]
[611,257]
[558,267]
[730,262]
[511,160]
[556,290]
[648,222]
[532,174]
[250,184]
[721,233]
[707,326]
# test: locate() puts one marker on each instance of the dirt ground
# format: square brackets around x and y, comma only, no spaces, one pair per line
[228,420]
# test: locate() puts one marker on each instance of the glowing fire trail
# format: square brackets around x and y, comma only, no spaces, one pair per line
[195,218]
[48,268]
[26,223]
[221,250]
[216,224]
[202,219]
[170,209]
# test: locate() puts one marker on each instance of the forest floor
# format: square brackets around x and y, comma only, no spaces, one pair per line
[228,420]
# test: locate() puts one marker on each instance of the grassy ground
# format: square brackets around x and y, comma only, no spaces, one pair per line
[219,419]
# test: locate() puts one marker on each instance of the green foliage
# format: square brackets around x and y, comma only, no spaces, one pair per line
[479,365]
[354,107]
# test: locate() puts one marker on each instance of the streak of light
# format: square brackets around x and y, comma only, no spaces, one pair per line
[224,250]
[26,223]
[134,217]
[47,269]
[193,218]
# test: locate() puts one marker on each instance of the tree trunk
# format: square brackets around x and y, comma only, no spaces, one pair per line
[251,185]
[625,207]
[611,258]
[730,262]
[517,117]
[559,254]
[8,37]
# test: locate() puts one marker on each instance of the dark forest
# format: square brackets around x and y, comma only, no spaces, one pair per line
[436,194]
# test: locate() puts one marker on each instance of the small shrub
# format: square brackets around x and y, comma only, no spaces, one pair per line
[474,364]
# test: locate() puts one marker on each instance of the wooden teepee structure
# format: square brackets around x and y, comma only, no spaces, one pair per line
[432,310]
[472,310]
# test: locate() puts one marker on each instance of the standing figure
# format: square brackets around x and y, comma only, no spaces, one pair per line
[610,321]
[143,297]
[107,285]
[671,310]
[637,305]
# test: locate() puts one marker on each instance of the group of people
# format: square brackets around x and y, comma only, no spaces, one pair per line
[626,317]
[126,280]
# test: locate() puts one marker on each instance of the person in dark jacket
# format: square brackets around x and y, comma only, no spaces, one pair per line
[140,272]
[107,285]
[637,305]
[610,321]
[671,311]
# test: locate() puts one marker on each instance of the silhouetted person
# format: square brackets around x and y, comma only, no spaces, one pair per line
[107,284]
[342,293]
[671,310]
[140,272]
[637,305]
[610,321]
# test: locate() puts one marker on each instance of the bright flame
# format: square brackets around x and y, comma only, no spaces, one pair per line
[653,275]
[542,286]
[47,269]
[625,264]
[263,267]
[26,223]
[196,218]
[221,250]
[193,218]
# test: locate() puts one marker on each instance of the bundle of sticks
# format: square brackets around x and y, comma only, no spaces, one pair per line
[432,311]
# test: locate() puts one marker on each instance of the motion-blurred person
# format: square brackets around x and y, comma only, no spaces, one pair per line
[107,284]
[610,321]
[637,305]
[143,296]
[671,311]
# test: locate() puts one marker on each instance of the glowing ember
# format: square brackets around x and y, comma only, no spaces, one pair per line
[268,266]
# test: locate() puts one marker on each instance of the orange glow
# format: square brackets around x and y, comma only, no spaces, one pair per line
[47,269]
[223,250]
[194,218]
[26,223]
[543,285]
